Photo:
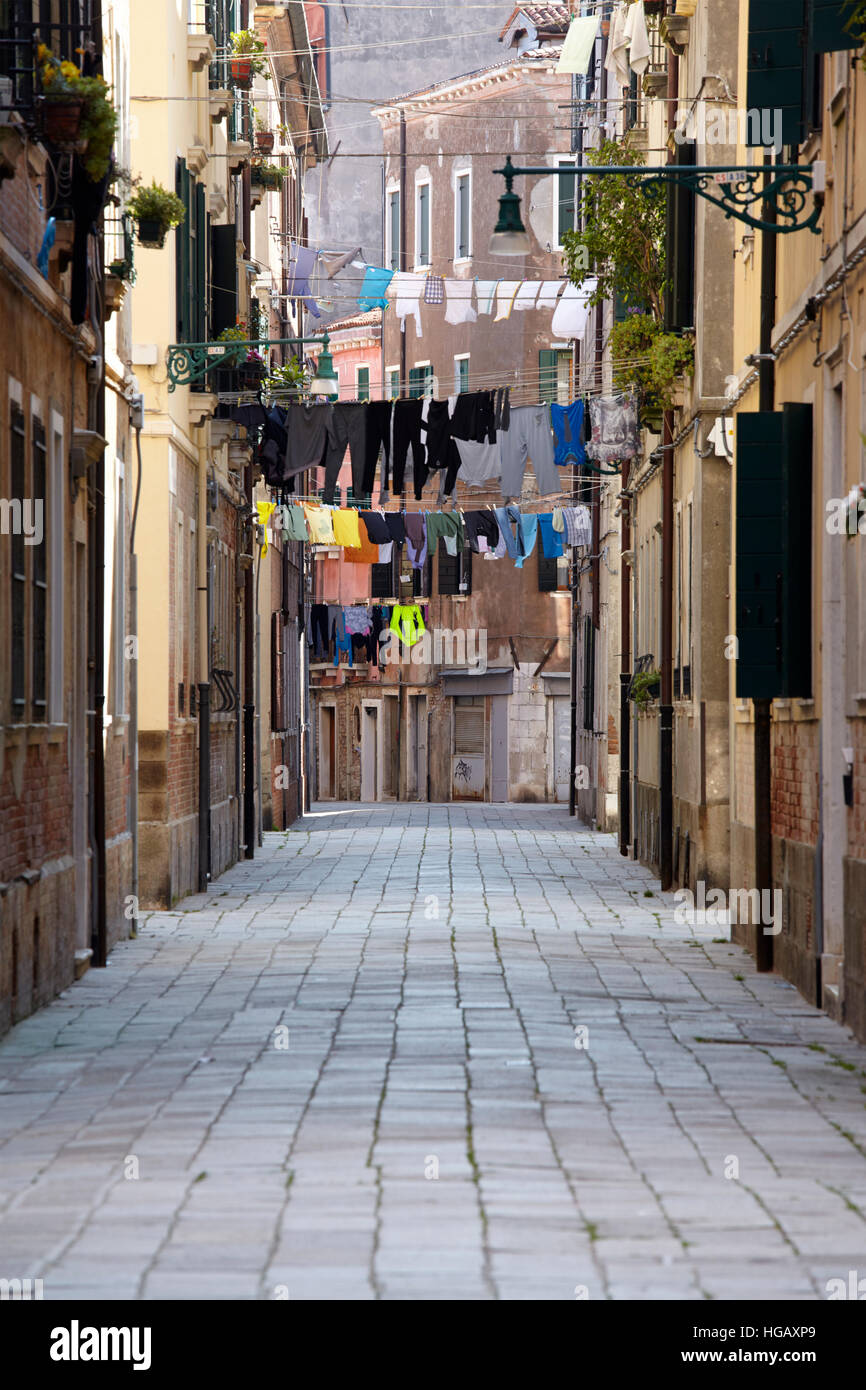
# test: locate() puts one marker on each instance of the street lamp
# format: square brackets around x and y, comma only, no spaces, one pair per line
[326,382]
[509,237]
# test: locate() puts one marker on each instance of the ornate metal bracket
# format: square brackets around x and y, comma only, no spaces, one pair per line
[732,187]
[188,362]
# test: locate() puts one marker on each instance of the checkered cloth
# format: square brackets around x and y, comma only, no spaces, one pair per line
[434,290]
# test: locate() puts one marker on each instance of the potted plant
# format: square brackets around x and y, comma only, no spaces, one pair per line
[267,175]
[76,110]
[264,135]
[644,687]
[247,58]
[290,380]
[644,355]
[155,210]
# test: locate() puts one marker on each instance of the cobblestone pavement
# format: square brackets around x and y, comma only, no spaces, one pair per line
[253,1099]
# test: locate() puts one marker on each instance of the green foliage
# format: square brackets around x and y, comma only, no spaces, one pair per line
[62,80]
[650,359]
[623,227]
[247,44]
[291,376]
[268,175]
[153,203]
[856,24]
[644,687]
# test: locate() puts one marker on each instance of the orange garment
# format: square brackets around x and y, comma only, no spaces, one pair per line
[365,554]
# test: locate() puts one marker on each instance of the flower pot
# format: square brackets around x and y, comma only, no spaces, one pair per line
[242,73]
[252,375]
[152,233]
[61,119]
[265,140]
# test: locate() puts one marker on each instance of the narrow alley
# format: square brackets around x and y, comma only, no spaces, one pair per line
[432,1052]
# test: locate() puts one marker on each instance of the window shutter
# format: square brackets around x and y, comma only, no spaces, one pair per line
[39,575]
[588,673]
[547,377]
[680,239]
[181,188]
[468,728]
[547,571]
[827,28]
[224,294]
[775,66]
[774,552]
[449,570]
[363,383]
[200,280]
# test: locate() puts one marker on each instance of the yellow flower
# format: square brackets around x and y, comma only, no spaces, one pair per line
[69,70]
[41,51]
[47,77]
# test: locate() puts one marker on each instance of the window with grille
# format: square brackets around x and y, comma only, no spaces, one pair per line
[19,561]
[463,195]
[469,724]
[455,571]
[38,573]
[393,229]
[422,225]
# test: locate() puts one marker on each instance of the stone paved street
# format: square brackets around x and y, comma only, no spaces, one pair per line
[253,1099]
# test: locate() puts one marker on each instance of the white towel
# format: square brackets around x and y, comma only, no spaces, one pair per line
[485,292]
[549,294]
[526,295]
[638,38]
[579,43]
[458,308]
[616,61]
[407,289]
[505,298]
[572,311]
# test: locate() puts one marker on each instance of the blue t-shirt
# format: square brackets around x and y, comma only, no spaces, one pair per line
[567,421]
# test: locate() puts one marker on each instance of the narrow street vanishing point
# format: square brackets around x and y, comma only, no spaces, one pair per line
[432,1053]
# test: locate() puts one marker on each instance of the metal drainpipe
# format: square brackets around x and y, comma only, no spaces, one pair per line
[203,565]
[666,707]
[136,414]
[572,659]
[404,250]
[625,673]
[99,937]
[763,723]
[249,687]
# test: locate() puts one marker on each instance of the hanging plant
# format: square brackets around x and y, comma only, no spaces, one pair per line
[645,686]
[267,175]
[155,210]
[292,378]
[247,58]
[643,355]
[77,109]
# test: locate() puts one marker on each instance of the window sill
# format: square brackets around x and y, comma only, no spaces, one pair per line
[462,261]
[16,734]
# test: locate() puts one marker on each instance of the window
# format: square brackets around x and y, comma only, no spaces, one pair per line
[19,560]
[548,570]
[588,673]
[555,368]
[422,580]
[421,380]
[118,663]
[461,373]
[469,724]
[455,571]
[462,217]
[362,383]
[392,382]
[385,579]
[422,224]
[39,572]
[191,259]
[392,231]
[565,205]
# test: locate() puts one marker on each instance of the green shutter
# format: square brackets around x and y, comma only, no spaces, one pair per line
[547,377]
[680,239]
[200,278]
[363,391]
[827,28]
[775,79]
[181,242]
[773,552]
[566,205]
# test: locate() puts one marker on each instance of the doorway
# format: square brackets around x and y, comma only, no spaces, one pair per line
[417,769]
[327,753]
[79,744]
[370,789]
[561,747]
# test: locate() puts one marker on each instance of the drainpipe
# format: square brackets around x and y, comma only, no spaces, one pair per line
[136,420]
[574,579]
[404,250]
[666,707]
[625,673]
[203,562]
[99,932]
[258,689]
[762,730]
[249,684]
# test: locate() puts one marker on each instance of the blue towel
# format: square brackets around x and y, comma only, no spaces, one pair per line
[45,248]
[567,421]
[529,534]
[551,540]
[505,516]
[376,282]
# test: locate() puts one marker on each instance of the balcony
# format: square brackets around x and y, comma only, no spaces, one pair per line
[20,34]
